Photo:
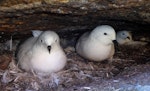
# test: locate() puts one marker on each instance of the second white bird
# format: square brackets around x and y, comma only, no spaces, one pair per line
[97,45]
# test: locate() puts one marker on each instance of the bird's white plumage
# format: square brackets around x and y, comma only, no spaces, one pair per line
[98,44]
[33,54]
[125,38]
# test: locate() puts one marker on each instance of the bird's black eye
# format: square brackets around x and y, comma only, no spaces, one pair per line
[123,34]
[105,33]
[41,40]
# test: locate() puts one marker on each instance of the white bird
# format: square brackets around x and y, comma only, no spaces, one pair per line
[125,38]
[42,53]
[98,44]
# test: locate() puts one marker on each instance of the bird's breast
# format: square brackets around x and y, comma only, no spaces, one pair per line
[48,62]
[98,52]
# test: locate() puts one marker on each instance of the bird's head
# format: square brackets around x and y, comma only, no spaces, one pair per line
[47,39]
[125,36]
[104,34]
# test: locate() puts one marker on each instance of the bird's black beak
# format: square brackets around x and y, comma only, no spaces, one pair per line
[115,42]
[128,38]
[49,48]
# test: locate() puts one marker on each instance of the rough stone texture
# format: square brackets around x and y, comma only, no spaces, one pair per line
[21,15]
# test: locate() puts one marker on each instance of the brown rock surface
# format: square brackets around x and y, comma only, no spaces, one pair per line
[21,15]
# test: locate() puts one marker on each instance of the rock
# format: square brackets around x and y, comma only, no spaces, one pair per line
[5,59]
[22,15]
